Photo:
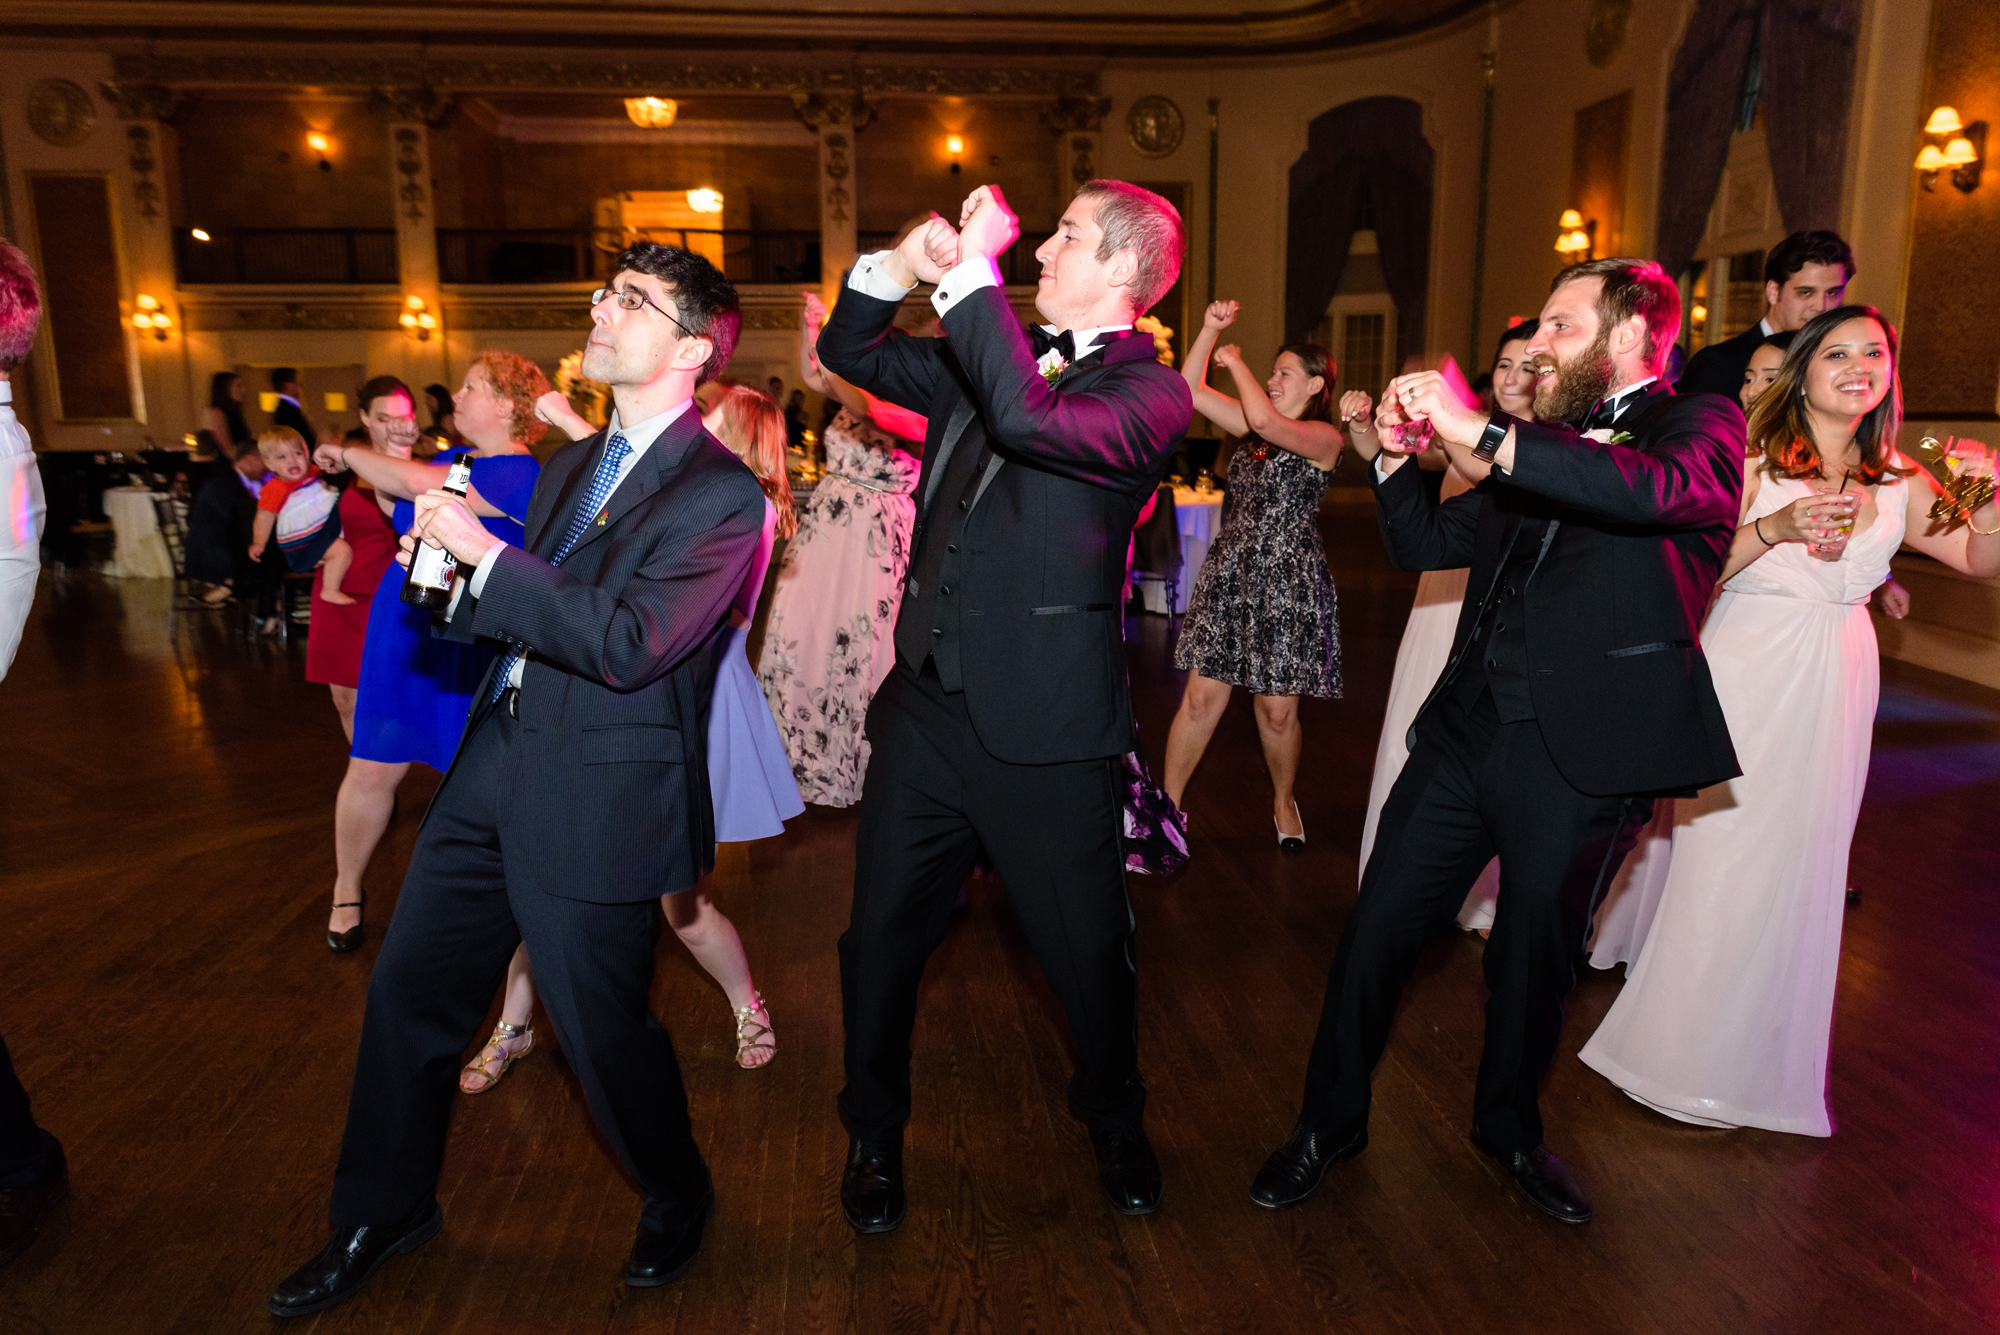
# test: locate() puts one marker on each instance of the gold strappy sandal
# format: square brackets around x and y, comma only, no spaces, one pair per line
[485,1064]
[753,1035]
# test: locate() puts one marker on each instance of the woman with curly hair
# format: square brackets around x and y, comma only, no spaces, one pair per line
[415,690]
[1726,1016]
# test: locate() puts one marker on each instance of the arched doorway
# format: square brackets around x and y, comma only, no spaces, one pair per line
[1366,166]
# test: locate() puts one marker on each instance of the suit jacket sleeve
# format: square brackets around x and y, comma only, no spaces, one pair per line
[862,346]
[1421,532]
[20,547]
[630,637]
[1686,473]
[1113,434]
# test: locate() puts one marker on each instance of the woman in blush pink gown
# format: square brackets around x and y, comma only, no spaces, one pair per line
[1726,1017]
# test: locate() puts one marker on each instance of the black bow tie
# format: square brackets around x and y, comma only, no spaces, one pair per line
[1043,340]
[1603,415]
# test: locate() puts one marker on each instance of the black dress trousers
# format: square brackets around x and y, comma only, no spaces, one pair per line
[465,905]
[1473,787]
[932,798]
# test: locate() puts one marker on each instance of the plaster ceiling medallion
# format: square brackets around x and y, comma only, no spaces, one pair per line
[1154,126]
[61,112]
[1604,31]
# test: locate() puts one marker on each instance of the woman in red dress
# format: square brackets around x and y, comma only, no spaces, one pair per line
[333,642]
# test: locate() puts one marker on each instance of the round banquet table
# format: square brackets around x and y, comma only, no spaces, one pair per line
[141,551]
[1198,516]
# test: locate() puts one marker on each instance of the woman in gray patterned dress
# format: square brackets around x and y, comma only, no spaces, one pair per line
[1262,615]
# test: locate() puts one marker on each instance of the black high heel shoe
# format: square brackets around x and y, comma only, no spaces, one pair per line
[341,943]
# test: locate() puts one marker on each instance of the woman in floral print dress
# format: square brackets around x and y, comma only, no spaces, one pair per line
[830,640]
[1263,614]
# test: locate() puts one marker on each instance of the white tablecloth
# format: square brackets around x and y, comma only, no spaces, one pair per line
[1198,516]
[142,549]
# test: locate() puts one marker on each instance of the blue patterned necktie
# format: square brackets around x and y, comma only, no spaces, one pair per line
[615,451]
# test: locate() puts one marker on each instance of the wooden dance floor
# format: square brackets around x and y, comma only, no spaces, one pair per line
[166,791]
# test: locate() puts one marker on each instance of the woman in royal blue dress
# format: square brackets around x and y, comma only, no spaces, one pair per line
[415,689]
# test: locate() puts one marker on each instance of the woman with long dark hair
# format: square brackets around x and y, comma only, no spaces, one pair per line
[223,418]
[1726,1016]
[1263,614]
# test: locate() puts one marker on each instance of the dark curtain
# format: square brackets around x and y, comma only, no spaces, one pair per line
[1808,85]
[1702,93]
[1372,150]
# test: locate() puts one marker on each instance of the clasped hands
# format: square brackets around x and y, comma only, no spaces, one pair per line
[1429,397]
[986,227]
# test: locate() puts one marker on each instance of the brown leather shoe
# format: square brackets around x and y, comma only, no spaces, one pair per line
[23,1211]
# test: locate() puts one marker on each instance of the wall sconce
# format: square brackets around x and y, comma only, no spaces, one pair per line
[651,113]
[955,146]
[198,234]
[1963,153]
[1577,239]
[702,199]
[321,145]
[417,322]
[150,318]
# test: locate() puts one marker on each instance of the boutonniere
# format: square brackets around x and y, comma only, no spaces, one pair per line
[1052,365]
[1606,436]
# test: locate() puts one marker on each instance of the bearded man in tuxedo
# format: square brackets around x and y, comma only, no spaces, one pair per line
[1576,693]
[1002,722]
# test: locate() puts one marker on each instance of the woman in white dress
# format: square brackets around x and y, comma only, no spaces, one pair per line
[1725,1018]
[830,640]
[1433,623]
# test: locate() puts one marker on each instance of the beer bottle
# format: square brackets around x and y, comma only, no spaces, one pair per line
[432,568]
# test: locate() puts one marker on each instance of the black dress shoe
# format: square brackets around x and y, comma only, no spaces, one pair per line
[23,1211]
[1127,1168]
[1544,1179]
[1293,1172]
[660,1258]
[871,1190]
[348,1259]
[341,943]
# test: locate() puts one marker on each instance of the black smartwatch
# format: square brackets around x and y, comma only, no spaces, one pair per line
[1497,427]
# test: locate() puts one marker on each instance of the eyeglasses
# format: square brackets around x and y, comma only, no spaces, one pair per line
[631,299]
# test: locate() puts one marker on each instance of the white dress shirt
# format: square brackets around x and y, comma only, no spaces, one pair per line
[23,512]
[639,438]
[954,285]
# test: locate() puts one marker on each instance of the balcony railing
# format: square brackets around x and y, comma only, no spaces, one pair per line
[289,255]
[1018,266]
[568,255]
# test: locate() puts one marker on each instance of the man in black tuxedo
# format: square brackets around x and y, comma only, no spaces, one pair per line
[290,412]
[1002,722]
[1576,692]
[579,794]
[1805,275]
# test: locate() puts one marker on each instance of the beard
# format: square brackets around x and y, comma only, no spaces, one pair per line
[1577,384]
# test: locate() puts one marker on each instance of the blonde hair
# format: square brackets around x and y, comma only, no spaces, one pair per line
[273,437]
[520,382]
[751,424]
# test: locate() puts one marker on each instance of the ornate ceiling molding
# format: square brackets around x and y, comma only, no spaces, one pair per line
[434,82]
[1229,28]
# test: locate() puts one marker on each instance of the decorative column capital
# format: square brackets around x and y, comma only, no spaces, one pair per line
[145,101]
[407,106]
[833,107]
[1065,114]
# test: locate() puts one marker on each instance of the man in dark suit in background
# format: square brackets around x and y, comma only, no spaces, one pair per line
[1003,719]
[1805,275]
[290,412]
[1576,692]
[579,794]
